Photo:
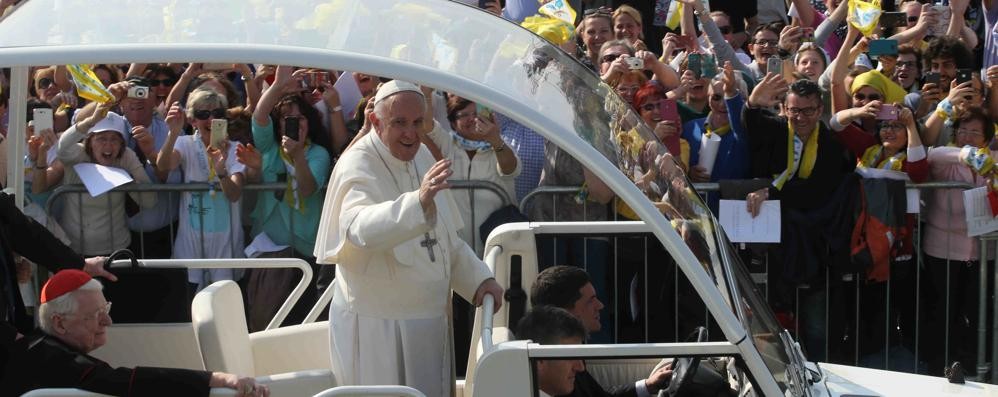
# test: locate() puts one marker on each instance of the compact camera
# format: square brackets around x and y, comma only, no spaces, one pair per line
[138,92]
[635,63]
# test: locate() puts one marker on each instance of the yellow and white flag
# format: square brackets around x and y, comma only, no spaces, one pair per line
[88,85]
[675,15]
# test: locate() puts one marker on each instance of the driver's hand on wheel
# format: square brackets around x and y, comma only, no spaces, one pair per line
[659,378]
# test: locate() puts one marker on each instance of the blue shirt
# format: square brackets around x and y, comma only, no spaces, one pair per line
[165,212]
[732,161]
[529,147]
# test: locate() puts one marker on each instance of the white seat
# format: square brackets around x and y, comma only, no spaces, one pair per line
[220,327]
[342,391]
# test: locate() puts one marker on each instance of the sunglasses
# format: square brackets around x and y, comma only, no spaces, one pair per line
[164,82]
[208,114]
[610,57]
[862,97]
[725,29]
[45,83]
[597,11]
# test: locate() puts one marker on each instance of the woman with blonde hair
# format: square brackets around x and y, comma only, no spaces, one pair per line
[627,26]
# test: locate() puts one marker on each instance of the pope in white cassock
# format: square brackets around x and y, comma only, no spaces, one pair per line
[390,225]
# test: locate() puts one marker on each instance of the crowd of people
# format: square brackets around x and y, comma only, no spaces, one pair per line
[802,102]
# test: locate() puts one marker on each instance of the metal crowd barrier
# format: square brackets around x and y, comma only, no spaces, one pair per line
[988,243]
[326,296]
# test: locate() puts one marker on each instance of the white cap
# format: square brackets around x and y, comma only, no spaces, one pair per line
[864,61]
[394,87]
[113,122]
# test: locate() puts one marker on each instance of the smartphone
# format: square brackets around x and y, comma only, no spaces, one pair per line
[219,132]
[484,3]
[883,47]
[693,62]
[483,111]
[291,128]
[964,75]
[635,63]
[942,24]
[931,77]
[774,65]
[887,112]
[709,66]
[42,118]
[669,110]
[685,41]
[893,19]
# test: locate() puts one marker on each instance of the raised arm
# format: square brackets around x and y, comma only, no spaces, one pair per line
[180,88]
[956,22]
[927,18]
[168,158]
[250,83]
[830,24]
[805,12]
[722,49]
[285,82]
[840,68]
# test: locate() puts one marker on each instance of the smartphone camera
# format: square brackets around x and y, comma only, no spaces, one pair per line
[887,112]
[291,127]
[963,75]
[138,92]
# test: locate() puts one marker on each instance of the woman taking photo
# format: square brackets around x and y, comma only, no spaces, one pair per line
[300,160]
[477,152]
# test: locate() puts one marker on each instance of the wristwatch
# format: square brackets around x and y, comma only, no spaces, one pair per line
[784,54]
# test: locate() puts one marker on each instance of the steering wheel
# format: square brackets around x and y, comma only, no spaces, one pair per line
[685,367]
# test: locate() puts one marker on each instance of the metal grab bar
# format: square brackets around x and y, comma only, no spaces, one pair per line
[405,391]
[264,263]
[488,301]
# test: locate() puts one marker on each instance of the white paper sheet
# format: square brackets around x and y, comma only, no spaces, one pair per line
[99,179]
[978,212]
[741,227]
[262,244]
[349,94]
[708,151]
[914,201]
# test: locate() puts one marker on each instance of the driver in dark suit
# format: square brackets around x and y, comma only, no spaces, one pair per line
[569,288]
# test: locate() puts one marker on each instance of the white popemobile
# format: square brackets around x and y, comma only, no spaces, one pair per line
[459,49]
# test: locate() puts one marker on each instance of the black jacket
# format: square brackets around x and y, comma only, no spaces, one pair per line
[587,386]
[42,361]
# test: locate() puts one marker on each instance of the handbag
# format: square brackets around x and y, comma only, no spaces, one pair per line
[507,214]
[145,295]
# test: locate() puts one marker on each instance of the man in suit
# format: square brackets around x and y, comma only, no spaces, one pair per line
[569,288]
[549,325]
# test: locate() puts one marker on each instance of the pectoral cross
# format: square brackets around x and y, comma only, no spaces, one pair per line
[429,243]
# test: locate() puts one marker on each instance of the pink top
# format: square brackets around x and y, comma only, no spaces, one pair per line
[834,42]
[946,222]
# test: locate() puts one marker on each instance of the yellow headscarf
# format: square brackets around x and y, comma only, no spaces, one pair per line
[892,92]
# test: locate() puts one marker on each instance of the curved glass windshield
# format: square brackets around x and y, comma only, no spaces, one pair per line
[484,59]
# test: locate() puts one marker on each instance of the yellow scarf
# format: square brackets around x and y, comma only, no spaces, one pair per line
[720,131]
[291,189]
[806,164]
[872,155]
